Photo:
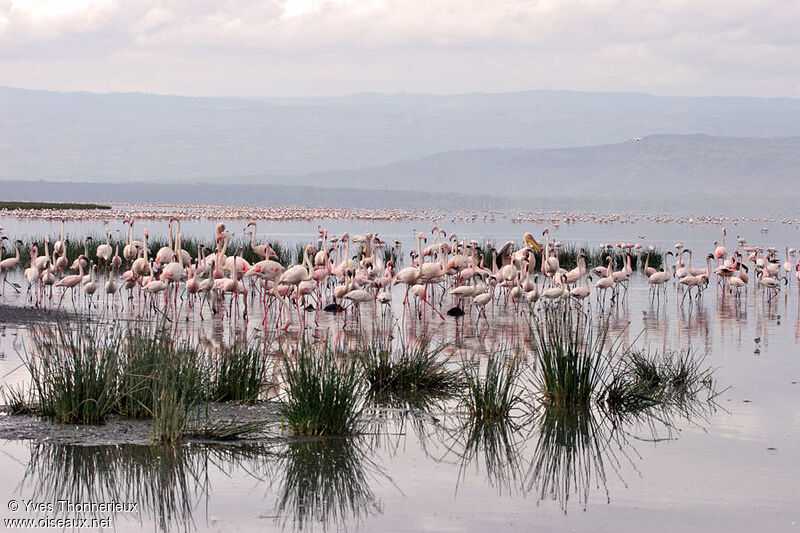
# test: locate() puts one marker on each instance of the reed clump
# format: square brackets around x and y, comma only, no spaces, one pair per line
[153,361]
[571,363]
[74,372]
[578,366]
[492,390]
[324,396]
[81,372]
[239,373]
[671,378]
[410,370]
[19,400]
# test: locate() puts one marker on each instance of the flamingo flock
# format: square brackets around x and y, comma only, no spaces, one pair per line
[447,275]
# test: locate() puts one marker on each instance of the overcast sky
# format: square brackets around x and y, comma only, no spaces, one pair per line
[315,47]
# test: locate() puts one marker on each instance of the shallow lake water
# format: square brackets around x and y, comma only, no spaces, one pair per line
[733,467]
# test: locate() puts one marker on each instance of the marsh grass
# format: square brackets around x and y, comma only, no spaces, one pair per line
[19,399]
[571,363]
[568,257]
[74,371]
[292,253]
[673,379]
[75,245]
[239,373]
[492,390]
[288,254]
[83,371]
[410,370]
[178,386]
[155,362]
[324,396]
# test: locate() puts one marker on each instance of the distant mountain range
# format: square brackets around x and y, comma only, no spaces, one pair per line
[661,165]
[131,136]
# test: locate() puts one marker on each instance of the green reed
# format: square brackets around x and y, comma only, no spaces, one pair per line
[324,396]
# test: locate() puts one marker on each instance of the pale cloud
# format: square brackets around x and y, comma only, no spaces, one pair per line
[282,47]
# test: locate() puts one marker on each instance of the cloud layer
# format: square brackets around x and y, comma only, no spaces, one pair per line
[311,47]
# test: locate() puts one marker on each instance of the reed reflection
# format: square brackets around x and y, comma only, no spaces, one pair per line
[167,482]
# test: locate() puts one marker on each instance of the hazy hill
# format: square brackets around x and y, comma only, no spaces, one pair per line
[114,137]
[688,165]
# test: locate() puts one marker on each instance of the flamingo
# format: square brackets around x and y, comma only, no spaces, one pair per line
[481,300]
[91,287]
[660,278]
[410,275]
[721,252]
[58,246]
[70,282]
[581,293]
[9,263]
[42,261]
[104,250]
[165,254]
[32,273]
[606,282]
[264,250]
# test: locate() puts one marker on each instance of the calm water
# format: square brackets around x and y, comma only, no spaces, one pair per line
[731,469]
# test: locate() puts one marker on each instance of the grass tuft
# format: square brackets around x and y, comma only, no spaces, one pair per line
[19,400]
[493,393]
[239,373]
[672,379]
[323,396]
[418,369]
[74,371]
[570,358]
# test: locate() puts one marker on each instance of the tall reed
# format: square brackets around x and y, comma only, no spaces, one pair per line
[323,396]
[74,371]
[571,363]
[239,373]
[421,368]
[493,393]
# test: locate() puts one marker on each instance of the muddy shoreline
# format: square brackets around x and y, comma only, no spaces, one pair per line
[121,430]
